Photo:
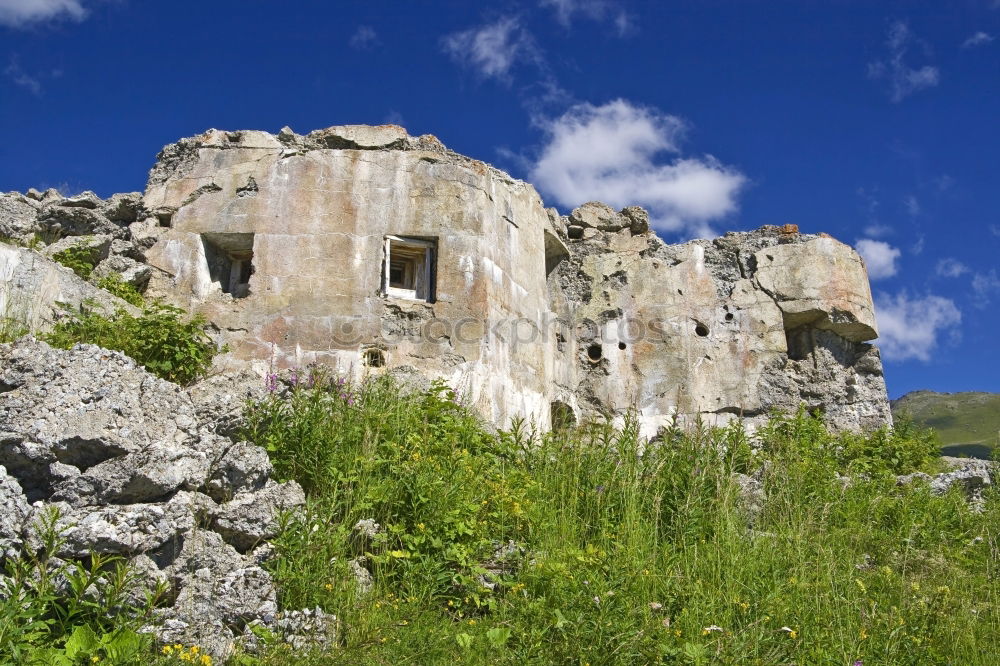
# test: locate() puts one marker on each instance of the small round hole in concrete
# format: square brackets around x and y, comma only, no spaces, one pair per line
[729,316]
[701,330]
[622,346]
[594,352]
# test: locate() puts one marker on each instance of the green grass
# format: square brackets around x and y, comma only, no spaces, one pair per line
[161,338]
[963,420]
[621,558]
[586,546]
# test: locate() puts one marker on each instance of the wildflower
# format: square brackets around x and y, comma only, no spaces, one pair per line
[744,605]
[294,378]
[271,382]
[166,649]
[863,633]
[206,660]
[791,632]
[858,662]
[710,628]
[328,587]
[95,659]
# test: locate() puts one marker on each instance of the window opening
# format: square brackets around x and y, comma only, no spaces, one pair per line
[409,268]
[230,261]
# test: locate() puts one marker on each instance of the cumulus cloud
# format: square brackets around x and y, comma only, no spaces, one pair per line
[951,268]
[978,39]
[596,10]
[984,287]
[879,256]
[903,79]
[493,49]
[910,327]
[612,153]
[23,13]
[364,38]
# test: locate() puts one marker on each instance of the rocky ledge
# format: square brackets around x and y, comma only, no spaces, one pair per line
[137,467]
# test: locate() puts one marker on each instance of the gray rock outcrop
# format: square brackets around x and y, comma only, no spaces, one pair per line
[135,471]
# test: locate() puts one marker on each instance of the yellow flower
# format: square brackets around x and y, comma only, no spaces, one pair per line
[864,633]
[206,660]
[166,649]
[421,526]
[95,659]
[328,587]
[195,649]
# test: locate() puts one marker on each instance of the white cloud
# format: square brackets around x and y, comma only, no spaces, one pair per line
[903,79]
[491,49]
[364,38]
[596,10]
[978,39]
[984,287]
[909,328]
[22,13]
[21,78]
[879,256]
[995,230]
[877,230]
[912,205]
[951,268]
[611,153]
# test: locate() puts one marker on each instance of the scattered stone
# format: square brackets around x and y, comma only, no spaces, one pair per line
[134,471]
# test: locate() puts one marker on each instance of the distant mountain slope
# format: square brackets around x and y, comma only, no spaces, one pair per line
[969,423]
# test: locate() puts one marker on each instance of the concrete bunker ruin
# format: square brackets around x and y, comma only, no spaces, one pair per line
[368,250]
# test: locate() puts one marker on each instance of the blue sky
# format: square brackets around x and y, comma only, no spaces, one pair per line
[877,122]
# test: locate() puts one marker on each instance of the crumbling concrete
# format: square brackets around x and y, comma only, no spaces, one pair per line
[367,250]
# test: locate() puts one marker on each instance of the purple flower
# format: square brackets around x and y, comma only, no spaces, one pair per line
[858,662]
[271,382]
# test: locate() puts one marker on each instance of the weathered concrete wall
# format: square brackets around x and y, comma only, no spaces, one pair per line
[319,208]
[588,315]
[703,329]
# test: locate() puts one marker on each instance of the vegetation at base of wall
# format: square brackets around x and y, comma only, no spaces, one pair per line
[588,547]
[162,338]
[116,286]
[62,613]
[78,258]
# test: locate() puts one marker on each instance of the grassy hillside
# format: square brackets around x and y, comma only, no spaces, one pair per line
[590,546]
[968,423]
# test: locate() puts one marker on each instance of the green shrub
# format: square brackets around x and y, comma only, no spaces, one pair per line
[615,552]
[115,285]
[79,258]
[162,339]
[50,613]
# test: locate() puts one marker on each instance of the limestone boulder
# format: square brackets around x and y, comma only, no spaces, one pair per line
[131,469]
[18,215]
